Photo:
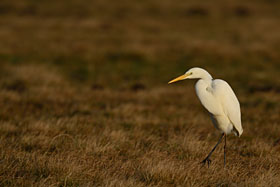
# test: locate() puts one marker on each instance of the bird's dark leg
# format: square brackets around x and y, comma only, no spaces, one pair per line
[225,150]
[207,159]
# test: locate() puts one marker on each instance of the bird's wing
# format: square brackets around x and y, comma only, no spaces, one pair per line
[229,102]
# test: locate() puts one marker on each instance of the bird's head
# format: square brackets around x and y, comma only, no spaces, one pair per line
[193,73]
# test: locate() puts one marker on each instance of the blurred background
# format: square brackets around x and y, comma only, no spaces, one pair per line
[118,44]
[97,71]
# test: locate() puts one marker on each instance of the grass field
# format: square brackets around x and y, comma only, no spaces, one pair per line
[85,102]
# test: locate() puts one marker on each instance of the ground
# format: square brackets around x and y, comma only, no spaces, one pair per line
[85,101]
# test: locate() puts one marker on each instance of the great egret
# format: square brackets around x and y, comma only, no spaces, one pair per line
[220,101]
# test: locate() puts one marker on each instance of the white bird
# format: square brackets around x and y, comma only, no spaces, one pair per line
[218,98]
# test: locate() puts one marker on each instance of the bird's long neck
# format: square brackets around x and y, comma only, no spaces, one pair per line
[206,77]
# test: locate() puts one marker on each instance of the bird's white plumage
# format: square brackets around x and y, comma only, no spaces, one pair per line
[229,103]
[219,100]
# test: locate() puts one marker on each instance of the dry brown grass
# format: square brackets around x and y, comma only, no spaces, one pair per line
[85,102]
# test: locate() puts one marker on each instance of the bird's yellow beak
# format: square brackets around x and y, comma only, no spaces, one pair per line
[182,77]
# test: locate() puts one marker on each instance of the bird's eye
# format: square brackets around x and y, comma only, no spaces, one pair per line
[191,73]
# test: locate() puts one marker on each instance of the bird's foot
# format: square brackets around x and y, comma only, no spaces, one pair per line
[206,160]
